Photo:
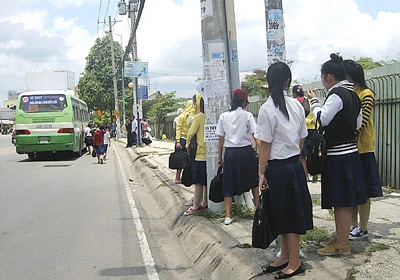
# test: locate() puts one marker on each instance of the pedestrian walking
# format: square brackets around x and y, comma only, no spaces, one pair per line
[199,174]
[98,141]
[342,178]
[366,148]
[281,131]
[107,141]
[89,138]
[234,130]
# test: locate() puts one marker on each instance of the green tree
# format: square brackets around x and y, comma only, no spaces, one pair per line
[96,84]
[163,105]
[367,63]
[252,83]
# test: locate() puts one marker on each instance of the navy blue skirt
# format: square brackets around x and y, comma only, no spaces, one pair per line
[100,149]
[290,200]
[371,175]
[199,173]
[240,171]
[342,182]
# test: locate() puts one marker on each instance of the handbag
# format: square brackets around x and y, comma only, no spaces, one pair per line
[315,159]
[187,174]
[192,148]
[94,154]
[216,187]
[262,232]
[178,160]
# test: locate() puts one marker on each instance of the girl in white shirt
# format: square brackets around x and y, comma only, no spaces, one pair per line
[240,163]
[281,131]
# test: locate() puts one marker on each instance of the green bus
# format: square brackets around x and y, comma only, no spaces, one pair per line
[50,121]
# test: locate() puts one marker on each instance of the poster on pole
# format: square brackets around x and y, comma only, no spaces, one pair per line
[143,92]
[136,69]
[276,50]
[209,133]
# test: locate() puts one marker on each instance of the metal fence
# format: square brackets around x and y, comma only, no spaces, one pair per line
[385,82]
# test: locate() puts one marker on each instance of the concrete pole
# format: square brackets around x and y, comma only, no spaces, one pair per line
[276,49]
[114,73]
[135,107]
[219,43]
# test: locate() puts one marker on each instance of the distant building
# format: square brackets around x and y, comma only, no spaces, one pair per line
[50,80]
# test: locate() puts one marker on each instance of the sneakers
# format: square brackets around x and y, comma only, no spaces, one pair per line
[328,243]
[301,254]
[228,221]
[101,161]
[334,249]
[190,202]
[190,211]
[358,233]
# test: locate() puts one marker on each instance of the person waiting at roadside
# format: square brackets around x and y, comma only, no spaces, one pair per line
[240,163]
[298,93]
[342,178]
[281,131]
[181,131]
[98,141]
[366,148]
[134,131]
[146,138]
[199,174]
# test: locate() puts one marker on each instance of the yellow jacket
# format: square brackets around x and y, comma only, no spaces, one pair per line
[197,127]
[182,126]
[366,137]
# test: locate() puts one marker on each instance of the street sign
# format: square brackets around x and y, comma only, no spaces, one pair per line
[143,93]
[136,69]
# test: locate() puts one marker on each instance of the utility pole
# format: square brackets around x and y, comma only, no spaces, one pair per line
[114,74]
[220,74]
[276,49]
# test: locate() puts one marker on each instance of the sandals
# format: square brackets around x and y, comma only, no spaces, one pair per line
[282,275]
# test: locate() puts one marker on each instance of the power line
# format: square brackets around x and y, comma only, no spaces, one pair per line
[98,18]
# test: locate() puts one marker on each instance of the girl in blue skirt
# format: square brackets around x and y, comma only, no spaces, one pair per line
[281,131]
[342,178]
[366,148]
[240,163]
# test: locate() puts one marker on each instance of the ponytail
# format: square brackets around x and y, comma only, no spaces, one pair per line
[277,75]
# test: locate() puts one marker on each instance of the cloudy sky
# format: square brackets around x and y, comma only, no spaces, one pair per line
[58,34]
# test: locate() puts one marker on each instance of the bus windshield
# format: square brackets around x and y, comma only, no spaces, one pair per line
[43,103]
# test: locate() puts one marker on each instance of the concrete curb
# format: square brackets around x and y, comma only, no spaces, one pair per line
[218,252]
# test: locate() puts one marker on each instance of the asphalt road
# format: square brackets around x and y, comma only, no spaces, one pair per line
[71,218]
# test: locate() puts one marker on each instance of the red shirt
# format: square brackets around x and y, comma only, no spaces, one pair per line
[98,138]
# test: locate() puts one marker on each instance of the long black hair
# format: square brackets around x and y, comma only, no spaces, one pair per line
[356,73]
[277,75]
[334,67]
[236,102]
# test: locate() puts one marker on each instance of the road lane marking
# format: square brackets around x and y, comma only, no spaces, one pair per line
[144,245]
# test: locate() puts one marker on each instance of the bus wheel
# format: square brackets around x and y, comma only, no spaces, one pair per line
[31,155]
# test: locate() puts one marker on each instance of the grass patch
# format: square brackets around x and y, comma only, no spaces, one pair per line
[351,272]
[315,234]
[378,247]
[316,201]
[238,210]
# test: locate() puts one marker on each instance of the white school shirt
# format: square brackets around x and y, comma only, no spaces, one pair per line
[134,125]
[106,137]
[283,134]
[236,126]
[87,131]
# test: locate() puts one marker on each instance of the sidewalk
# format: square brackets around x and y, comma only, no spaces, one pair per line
[225,252]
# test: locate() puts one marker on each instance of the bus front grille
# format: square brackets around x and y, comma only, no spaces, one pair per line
[43,120]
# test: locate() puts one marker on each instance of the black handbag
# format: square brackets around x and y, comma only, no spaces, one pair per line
[216,187]
[192,148]
[187,174]
[94,154]
[262,233]
[315,159]
[178,160]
